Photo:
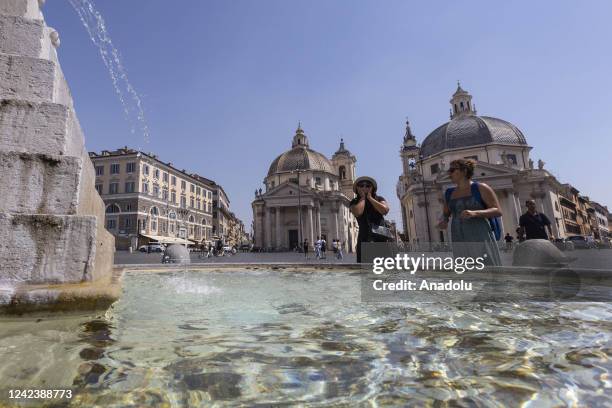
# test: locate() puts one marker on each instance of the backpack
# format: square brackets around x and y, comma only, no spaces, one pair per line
[494,222]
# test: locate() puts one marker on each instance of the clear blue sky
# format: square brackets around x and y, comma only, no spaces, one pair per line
[224,83]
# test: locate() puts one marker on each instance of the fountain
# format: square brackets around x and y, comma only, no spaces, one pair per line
[54,249]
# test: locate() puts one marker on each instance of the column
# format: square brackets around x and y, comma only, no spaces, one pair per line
[310,230]
[317,215]
[268,227]
[279,239]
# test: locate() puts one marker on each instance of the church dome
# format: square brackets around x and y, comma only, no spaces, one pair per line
[300,156]
[471,130]
[467,129]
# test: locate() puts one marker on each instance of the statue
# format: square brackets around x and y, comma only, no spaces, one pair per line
[540,164]
[531,163]
[260,191]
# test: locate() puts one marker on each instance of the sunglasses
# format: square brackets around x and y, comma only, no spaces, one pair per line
[364,185]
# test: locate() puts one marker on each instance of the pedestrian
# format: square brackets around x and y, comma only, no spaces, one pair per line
[534,224]
[305,249]
[318,248]
[470,204]
[508,238]
[368,208]
[520,237]
[323,248]
[339,254]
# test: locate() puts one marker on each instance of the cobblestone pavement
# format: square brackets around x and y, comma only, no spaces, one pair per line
[124,257]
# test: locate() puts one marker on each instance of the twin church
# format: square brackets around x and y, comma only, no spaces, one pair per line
[307,195]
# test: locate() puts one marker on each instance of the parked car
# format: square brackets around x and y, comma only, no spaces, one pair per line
[579,242]
[564,244]
[155,247]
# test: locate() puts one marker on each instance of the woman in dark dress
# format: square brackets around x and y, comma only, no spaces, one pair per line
[368,208]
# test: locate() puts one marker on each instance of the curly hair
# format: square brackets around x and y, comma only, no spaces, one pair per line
[466,165]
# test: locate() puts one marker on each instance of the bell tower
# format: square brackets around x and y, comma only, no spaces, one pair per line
[299,139]
[344,164]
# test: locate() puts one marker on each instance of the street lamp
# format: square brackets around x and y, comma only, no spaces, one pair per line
[300,232]
[183,213]
[425,198]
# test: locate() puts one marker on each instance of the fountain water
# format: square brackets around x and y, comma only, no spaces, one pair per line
[96,28]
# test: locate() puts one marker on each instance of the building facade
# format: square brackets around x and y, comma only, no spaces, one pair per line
[149,200]
[502,160]
[306,196]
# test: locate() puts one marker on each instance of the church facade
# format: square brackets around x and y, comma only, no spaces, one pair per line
[502,160]
[306,196]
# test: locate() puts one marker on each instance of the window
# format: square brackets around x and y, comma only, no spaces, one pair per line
[130,167]
[208,194]
[164,194]
[99,170]
[114,168]
[191,202]
[111,224]
[99,188]
[128,222]
[342,171]
[173,197]
[155,190]
[145,169]
[128,207]
[130,187]
[145,187]
[174,180]
[435,168]
[113,209]
[165,177]
[318,181]
[199,204]
[192,188]
[183,202]
[512,159]
[154,211]
[198,190]
[156,173]
[113,188]
[183,185]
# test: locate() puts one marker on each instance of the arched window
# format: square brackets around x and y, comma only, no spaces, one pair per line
[461,104]
[113,209]
[172,215]
[191,218]
[342,171]
[154,211]
[203,221]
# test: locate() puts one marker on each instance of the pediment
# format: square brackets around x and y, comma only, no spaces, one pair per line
[490,171]
[287,189]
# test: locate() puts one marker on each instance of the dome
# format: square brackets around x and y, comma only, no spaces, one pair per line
[303,157]
[471,130]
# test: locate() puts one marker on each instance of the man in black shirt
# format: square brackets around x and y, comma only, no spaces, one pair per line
[534,224]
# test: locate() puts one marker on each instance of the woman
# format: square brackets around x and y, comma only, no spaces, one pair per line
[470,229]
[368,208]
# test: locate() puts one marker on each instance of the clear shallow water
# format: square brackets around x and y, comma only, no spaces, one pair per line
[247,338]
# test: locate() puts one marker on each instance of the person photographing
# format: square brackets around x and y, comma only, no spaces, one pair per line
[368,208]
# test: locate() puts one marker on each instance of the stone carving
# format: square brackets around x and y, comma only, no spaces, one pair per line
[540,164]
[55,39]
[51,217]
[531,163]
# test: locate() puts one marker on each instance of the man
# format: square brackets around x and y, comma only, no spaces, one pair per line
[534,224]
[305,245]
[508,238]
